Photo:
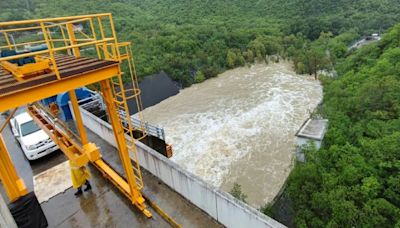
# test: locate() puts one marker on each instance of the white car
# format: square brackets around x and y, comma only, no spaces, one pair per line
[33,140]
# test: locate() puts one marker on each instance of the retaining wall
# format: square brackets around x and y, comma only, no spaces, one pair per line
[219,205]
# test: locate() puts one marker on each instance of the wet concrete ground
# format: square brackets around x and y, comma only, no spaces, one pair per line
[104,206]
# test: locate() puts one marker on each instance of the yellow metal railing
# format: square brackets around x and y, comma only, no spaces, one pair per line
[60,35]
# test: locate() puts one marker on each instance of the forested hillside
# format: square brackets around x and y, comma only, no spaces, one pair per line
[191,40]
[354,180]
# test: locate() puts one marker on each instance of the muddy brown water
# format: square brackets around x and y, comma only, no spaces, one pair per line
[239,127]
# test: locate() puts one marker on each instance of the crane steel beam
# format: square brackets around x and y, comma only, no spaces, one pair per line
[81,155]
[41,91]
[72,150]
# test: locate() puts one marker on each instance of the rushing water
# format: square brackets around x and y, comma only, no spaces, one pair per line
[239,127]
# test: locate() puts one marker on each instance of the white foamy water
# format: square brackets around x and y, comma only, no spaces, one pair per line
[239,127]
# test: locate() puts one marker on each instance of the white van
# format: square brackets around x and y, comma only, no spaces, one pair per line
[33,140]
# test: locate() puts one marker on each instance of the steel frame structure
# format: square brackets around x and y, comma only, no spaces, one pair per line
[100,34]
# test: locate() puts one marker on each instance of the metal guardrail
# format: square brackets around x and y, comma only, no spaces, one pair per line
[148,128]
[60,35]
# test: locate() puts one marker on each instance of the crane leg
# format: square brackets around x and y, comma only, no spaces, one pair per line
[14,185]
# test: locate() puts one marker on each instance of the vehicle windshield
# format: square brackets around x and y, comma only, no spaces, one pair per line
[29,128]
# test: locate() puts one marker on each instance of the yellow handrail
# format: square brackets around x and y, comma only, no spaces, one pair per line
[22,44]
[11,23]
[21,29]
[59,36]
[42,42]
[8,58]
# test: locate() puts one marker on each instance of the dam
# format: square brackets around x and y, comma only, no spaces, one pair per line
[239,127]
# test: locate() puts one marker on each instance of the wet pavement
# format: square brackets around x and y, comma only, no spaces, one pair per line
[104,206]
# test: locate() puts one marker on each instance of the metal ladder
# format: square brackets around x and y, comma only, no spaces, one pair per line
[121,95]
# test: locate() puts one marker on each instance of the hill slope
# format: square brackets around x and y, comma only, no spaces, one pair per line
[354,180]
[183,37]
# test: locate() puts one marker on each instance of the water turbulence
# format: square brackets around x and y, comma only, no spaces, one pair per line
[239,127]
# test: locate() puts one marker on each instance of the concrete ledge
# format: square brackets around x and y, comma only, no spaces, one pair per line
[219,205]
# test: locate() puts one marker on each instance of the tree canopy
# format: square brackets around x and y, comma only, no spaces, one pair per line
[183,37]
[354,180]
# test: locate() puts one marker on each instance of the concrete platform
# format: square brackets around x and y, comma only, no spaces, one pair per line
[104,206]
[313,129]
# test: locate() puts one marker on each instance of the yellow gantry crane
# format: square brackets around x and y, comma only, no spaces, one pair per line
[49,61]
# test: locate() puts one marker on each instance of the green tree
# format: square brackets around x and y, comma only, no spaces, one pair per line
[300,68]
[199,77]
[258,48]
[316,60]
[231,59]
[353,180]
[240,61]
[248,56]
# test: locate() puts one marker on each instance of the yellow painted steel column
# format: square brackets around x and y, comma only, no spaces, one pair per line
[8,119]
[72,95]
[94,36]
[78,117]
[114,34]
[51,51]
[105,51]
[119,133]
[7,40]
[72,39]
[13,184]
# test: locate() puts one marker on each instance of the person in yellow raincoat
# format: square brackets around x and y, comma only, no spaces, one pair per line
[80,176]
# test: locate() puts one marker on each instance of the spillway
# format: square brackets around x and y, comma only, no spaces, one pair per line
[240,126]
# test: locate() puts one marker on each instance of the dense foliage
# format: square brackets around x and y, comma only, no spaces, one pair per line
[183,37]
[354,180]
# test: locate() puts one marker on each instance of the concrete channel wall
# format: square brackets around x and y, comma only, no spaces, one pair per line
[219,205]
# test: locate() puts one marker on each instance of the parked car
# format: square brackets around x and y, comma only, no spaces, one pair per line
[35,143]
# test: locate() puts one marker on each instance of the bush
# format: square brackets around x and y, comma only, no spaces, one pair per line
[199,77]
[236,192]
